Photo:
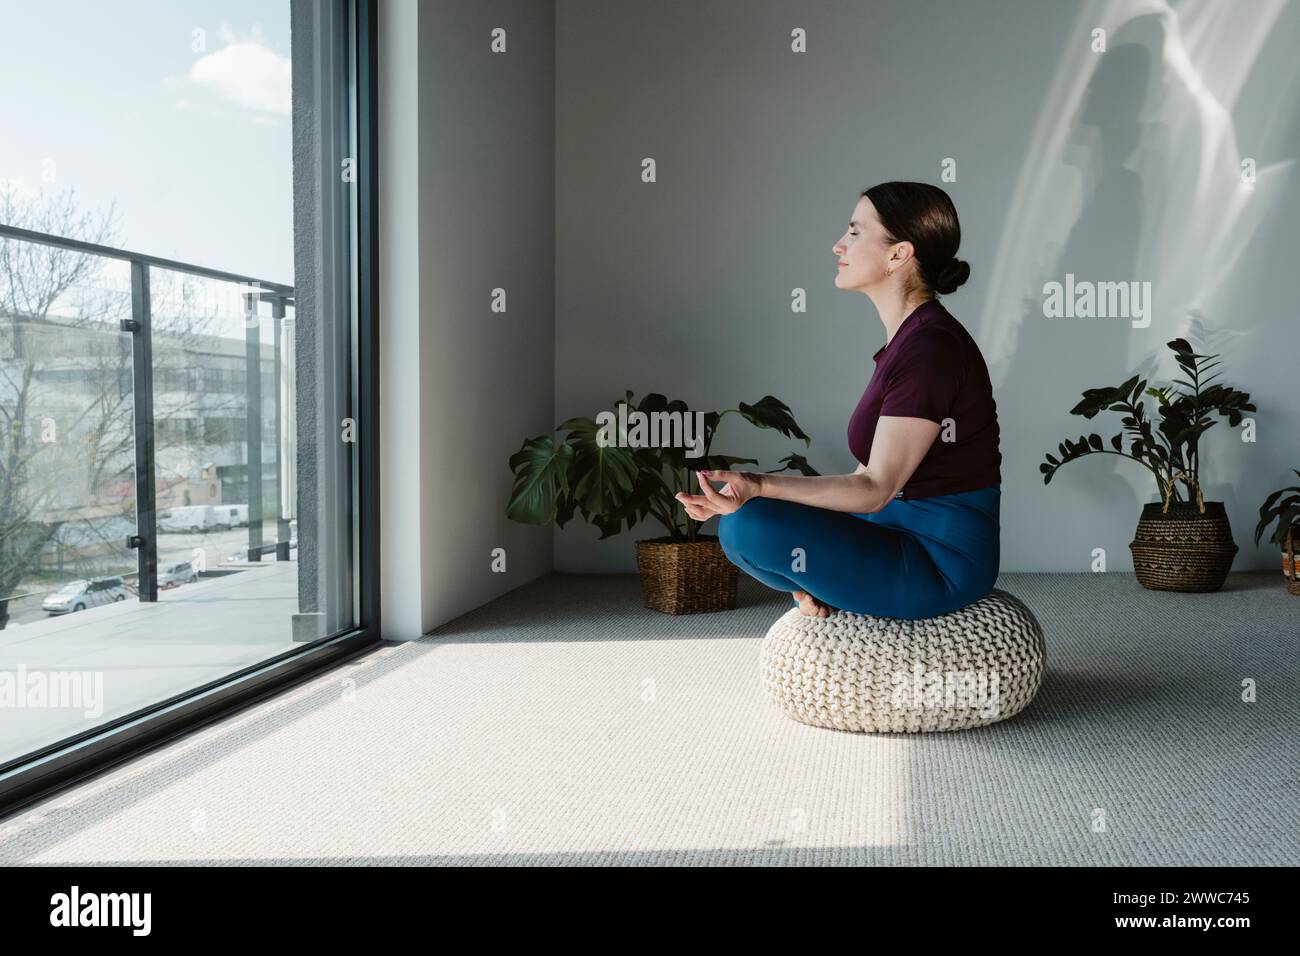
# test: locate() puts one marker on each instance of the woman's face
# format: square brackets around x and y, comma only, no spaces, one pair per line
[863,251]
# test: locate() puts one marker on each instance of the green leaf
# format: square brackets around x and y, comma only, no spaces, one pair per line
[795,462]
[1287,517]
[1095,400]
[770,412]
[541,470]
[1269,501]
[718,463]
[602,476]
[676,424]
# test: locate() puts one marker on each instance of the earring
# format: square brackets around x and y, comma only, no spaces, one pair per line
[889,272]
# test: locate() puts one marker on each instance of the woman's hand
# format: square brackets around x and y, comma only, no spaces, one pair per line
[740,487]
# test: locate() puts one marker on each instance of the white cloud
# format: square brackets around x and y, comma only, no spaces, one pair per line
[247,74]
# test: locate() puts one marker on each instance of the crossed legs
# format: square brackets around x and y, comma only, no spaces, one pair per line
[843,560]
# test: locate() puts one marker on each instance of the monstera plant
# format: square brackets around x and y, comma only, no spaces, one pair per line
[1181,545]
[609,471]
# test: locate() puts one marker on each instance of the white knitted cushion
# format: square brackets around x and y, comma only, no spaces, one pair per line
[881,674]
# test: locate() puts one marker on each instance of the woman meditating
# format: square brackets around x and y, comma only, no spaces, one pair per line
[913,532]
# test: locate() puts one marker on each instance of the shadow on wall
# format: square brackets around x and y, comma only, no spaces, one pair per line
[1101,247]
[1136,178]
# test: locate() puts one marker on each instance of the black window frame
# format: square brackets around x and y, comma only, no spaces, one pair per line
[38,776]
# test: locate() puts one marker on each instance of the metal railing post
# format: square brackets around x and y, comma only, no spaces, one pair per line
[145,540]
[253,396]
[281,522]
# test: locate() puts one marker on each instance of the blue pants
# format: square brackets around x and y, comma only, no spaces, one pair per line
[912,559]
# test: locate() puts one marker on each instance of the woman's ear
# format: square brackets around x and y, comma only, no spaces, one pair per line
[900,253]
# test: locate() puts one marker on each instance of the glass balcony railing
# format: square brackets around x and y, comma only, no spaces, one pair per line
[149,458]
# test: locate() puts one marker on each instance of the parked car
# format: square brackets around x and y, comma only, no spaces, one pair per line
[174,575]
[81,594]
[193,518]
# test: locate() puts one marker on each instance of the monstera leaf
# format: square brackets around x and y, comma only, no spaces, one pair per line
[674,455]
[769,412]
[604,473]
[541,470]
[795,462]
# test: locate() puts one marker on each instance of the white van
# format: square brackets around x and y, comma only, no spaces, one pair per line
[192,518]
[232,516]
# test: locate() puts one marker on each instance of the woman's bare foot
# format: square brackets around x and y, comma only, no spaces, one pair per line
[809,606]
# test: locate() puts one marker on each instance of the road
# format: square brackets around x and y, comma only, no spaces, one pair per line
[214,548]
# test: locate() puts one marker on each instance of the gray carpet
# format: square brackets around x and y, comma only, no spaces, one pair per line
[565,724]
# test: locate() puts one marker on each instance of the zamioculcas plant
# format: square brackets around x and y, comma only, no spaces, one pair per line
[1168,447]
[1193,555]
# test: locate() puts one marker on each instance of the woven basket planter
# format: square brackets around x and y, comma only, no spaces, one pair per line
[869,674]
[1184,548]
[686,577]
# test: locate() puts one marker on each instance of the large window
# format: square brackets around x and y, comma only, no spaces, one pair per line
[184,364]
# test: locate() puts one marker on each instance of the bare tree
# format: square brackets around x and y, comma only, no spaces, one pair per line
[60,311]
[33,278]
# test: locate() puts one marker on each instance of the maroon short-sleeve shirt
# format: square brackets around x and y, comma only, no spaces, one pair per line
[933,369]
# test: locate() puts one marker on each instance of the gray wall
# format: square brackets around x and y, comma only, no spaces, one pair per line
[1114,166]
[467,205]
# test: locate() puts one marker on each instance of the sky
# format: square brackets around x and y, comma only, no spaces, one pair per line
[194,145]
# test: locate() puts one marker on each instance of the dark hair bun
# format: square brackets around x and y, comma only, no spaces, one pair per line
[950,275]
[923,214]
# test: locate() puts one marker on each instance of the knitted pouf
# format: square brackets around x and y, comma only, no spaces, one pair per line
[870,674]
